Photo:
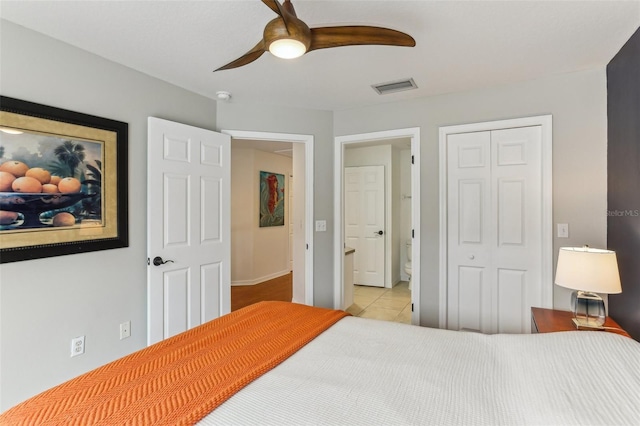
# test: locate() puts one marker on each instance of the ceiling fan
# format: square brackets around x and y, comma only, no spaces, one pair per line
[288,37]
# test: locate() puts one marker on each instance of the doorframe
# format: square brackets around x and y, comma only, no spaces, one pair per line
[413,133]
[308,141]
[545,121]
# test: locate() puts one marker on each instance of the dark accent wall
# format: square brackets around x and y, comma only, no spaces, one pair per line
[623,163]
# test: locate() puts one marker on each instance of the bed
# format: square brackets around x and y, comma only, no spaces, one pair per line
[281,363]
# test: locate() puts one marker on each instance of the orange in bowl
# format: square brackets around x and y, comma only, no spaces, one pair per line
[26,184]
[39,173]
[16,168]
[50,188]
[69,184]
[6,179]
[64,219]
[7,217]
[55,180]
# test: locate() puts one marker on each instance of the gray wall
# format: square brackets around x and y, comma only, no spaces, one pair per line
[270,118]
[577,102]
[46,302]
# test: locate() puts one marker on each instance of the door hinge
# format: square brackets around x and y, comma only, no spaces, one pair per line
[413,233]
[412,307]
[413,160]
[148,261]
[307,246]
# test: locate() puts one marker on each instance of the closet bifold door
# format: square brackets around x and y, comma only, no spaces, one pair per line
[494,229]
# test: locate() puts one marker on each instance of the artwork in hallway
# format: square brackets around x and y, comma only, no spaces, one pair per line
[271,199]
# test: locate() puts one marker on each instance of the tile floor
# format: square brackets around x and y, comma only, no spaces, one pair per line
[388,304]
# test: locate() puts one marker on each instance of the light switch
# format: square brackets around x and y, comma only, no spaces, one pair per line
[563,230]
[321,225]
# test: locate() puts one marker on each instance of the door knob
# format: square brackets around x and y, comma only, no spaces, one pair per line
[378,233]
[158,261]
[471,257]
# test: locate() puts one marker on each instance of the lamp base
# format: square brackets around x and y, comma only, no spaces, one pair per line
[588,309]
[584,323]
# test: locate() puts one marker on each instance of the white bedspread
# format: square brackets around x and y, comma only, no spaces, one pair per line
[367,372]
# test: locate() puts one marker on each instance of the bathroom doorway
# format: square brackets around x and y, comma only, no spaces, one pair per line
[397,153]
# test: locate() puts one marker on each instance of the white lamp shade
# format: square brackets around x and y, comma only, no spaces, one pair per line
[287,48]
[588,269]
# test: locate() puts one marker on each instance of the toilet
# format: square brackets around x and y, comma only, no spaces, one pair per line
[407,266]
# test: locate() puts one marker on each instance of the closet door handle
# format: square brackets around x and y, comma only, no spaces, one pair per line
[378,233]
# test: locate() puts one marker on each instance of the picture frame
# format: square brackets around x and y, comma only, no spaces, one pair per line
[86,209]
[272,199]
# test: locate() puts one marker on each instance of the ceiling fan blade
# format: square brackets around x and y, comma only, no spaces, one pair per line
[288,6]
[286,12]
[273,5]
[247,58]
[280,9]
[325,37]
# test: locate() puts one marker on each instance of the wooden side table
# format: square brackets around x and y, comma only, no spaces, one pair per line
[550,320]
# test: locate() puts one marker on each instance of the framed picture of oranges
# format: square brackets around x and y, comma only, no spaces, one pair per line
[63,182]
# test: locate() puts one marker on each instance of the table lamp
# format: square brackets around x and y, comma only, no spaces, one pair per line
[588,271]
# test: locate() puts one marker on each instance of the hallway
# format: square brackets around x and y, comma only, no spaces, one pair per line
[276,289]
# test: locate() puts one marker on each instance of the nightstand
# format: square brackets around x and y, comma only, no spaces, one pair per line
[549,320]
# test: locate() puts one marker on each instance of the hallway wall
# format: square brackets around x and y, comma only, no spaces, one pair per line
[257,253]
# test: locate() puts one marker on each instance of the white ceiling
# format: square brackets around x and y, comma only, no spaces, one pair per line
[460,45]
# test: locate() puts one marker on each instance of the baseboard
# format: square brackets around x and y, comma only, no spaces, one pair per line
[261,279]
[394,282]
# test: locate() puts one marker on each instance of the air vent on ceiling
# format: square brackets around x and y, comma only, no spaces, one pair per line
[395,86]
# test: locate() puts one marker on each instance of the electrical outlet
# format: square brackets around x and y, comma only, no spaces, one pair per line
[125,330]
[77,346]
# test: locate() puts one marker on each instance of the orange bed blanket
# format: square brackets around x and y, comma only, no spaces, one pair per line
[180,380]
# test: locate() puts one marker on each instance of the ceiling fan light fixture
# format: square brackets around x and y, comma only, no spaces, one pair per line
[288,37]
[287,48]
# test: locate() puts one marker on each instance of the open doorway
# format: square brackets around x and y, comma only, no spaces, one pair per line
[271,260]
[377,227]
[379,150]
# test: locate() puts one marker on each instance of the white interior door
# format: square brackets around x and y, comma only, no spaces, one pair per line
[188,217]
[495,229]
[364,222]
